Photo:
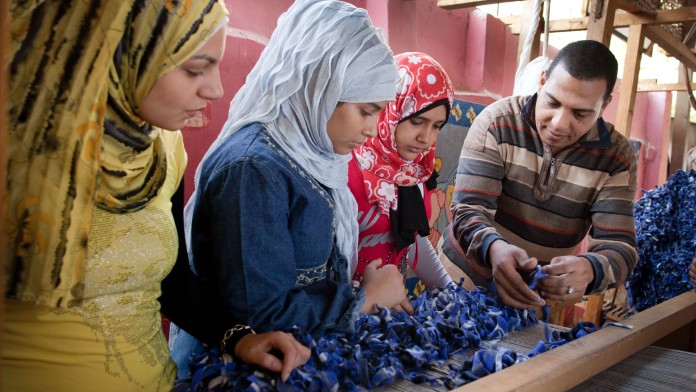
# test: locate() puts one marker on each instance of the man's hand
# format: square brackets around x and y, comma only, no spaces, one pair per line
[568,278]
[256,350]
[506,260]
[384,286]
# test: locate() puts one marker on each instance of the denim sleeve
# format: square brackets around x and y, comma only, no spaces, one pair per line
[243,246]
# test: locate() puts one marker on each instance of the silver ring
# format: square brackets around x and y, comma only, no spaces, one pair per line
[569,290]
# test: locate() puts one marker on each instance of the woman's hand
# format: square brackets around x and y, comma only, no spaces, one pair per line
[384,286]
[257,350]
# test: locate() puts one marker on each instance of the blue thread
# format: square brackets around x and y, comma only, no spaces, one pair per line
[534,277]
[393,345]
[532,280]
[615,324]
[666,241]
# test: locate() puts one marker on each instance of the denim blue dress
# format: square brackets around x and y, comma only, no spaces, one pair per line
[262,233]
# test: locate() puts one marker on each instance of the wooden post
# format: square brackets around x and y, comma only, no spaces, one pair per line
[4,131]
[680,127]
[629,82]
[601,20]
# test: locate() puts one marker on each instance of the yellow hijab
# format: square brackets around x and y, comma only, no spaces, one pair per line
[78,73]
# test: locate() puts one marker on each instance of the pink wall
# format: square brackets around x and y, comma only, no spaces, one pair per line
[657,133]
[650,125]
[407,24]
[410,29]
[250,26]
[638,132]
[477,50]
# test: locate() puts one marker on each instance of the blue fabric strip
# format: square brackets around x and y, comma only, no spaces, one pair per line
[389,346]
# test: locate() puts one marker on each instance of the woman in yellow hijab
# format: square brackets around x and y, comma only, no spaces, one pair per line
[91,173]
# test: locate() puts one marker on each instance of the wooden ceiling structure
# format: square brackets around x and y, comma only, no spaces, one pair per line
[669,24]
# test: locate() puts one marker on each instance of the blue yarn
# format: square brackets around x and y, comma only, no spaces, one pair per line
[665,219]
[534,277]
[389,346]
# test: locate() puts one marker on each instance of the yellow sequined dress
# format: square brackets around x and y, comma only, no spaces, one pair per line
[114,340]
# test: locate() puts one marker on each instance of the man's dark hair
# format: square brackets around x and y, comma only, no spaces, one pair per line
[588,60]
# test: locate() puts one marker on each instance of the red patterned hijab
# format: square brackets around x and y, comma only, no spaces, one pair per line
[423,85]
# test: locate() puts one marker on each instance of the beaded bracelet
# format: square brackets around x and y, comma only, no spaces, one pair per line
[233,336]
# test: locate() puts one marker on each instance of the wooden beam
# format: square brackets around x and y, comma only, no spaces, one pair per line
[572,363]
[671,45]
[555,26]
[680,15]
[454,4]
[601,21]
[628,6]
[654,86]
[629,81]
[4,131]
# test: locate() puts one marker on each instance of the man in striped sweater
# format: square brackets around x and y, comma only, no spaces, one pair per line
[535,175]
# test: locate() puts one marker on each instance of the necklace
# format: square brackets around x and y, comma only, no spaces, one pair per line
[384,261]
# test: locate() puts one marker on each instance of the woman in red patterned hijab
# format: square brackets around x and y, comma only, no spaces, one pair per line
[392,173]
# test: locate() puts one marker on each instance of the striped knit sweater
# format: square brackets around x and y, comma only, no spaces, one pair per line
[509,186]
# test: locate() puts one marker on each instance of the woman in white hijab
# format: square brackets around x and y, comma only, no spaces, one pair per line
[271,227]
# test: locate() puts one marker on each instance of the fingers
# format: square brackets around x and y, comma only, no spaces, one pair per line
[294,355]
[520,296]
[256,350]
[563,293]
[505,260]
[253,349]
[266,360]
[564,287]
[406,306]
[374,264]
[567,278]
[514,291]
[528,264]
[383,286]
[512,301]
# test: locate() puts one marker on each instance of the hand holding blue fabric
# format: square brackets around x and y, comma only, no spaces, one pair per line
[568,278]
[256,350]
[506,260]
[384,287]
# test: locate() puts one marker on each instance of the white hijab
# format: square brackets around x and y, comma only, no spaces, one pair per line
[322,52]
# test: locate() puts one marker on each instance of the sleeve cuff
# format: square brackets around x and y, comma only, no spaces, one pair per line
[350,318]
[233,336]
[485,247]
[598,274]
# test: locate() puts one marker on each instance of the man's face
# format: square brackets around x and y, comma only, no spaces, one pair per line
[567,108]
